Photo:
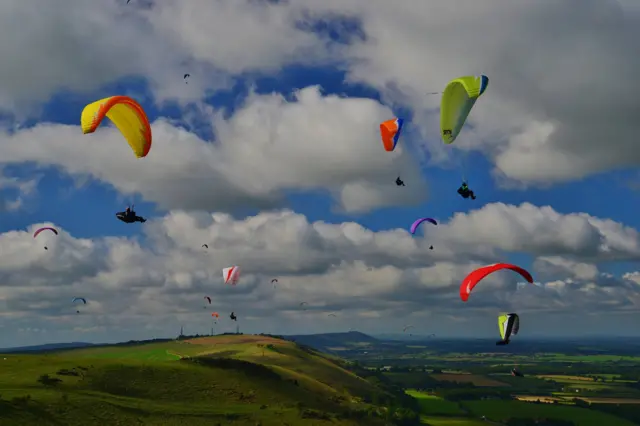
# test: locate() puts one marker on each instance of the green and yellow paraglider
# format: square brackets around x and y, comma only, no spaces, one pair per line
[458,99]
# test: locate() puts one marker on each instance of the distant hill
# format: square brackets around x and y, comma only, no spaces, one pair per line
[327,341]
[46,347]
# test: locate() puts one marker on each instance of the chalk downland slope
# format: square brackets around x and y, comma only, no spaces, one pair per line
[221,380]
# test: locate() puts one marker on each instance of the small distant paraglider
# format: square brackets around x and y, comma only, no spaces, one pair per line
[303,305]
[46,228]
[79,299]
[205,246]
[231,275]
[208,299]
[417,223]
[186,78]
[233,316]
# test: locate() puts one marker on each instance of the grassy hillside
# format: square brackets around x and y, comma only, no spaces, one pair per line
[223,380]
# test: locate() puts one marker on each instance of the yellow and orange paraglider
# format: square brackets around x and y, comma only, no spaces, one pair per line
[127,115]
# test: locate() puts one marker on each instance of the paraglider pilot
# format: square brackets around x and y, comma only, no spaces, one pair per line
[465,192]
[129,216]
[399,182]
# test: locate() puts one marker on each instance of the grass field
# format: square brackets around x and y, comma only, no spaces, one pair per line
[572,383]
[451,421]
[498,410]
[149,385]
[434,405]
[477,380]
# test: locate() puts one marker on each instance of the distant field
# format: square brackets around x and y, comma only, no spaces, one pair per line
[581,382]
[586,358]
[499,410]
[542,398]
[451,421]
[434,405]
[611,400]
[476,379]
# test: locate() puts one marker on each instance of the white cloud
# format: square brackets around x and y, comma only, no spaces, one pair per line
[341,268]
[561,103]
[561,100]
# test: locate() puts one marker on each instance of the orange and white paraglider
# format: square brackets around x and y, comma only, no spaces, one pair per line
[127,115]
[390,132]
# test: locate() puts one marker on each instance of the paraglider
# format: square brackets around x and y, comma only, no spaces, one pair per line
[215,317]
[207,298]
[127,115]
[303,305]
[400,182]
[414,226]
[407,327]
[332,315]
[185,78]
[479,274]
[231,275]
[129,216]
[508,324]
[390,132]
[233,316]
[46,228]
[458,98]
[79,299]
[275,280]
[465,192]
[205,246]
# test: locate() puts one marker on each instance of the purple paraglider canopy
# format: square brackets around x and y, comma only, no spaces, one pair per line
[417,223]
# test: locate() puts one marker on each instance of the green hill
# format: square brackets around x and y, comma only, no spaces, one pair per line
[221,380]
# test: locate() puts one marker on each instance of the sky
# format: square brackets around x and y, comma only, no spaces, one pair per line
[270,154]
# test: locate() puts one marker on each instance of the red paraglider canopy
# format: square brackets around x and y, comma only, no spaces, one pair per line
[478,275]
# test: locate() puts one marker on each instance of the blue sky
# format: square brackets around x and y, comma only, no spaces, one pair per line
[279,131]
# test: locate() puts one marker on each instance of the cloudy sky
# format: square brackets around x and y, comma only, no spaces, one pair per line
[271,155]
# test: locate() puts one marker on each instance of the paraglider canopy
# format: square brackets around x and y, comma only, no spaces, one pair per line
[127,115]
[479,274]
[508,325]
[414,226]
[46,228]
[390,131]
[458,98]
[231,275]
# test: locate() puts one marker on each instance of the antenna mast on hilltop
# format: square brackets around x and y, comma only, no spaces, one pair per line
[181,333]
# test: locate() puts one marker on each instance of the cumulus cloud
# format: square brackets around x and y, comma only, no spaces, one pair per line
[561,100]
[363,276]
